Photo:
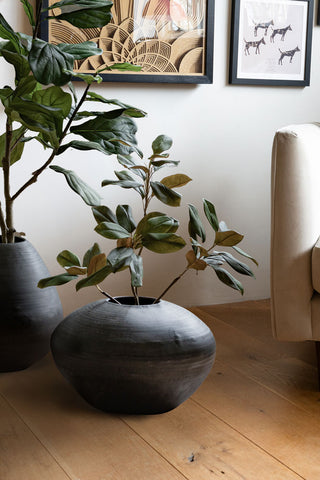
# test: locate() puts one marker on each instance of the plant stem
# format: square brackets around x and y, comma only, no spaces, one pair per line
[36,174]
[38,18]
[3,225]
[9,235]
[107,295]
[171,285]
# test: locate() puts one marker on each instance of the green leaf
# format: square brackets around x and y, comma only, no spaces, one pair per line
[244,254]
[128,109]
[95,278]
[163,243]
[211,215]
[56,280]
[136,269]
[85,13]
[174,181]
[120,258]
[104,214]
[165,195]
[109,133]
[16,153]
[164,163]
[86,77]
[54,97]
[195,225]
[25,86]
[161,224]
[121,183]
[228,279]
[88,195]
[161,144]
[238,266]
[111,230]
[29,11]
[68,259]
[228,238]
[48,63]
[19,61]
[83,146]
[8,33]
[80,50]
[122,67]
[125,217]
[92,252]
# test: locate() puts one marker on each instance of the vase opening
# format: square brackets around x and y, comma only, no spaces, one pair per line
[131,300]
[16,240]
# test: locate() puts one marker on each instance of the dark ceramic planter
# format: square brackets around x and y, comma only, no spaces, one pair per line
[28,315]
[125,358]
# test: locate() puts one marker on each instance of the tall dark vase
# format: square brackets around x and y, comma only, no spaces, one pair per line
[28,315]
[126,358]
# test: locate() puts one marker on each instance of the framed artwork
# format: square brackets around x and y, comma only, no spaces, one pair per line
[171,40]
[318,14]
[271,42]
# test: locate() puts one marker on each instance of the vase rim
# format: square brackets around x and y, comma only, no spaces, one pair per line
[129,301]
[17,240]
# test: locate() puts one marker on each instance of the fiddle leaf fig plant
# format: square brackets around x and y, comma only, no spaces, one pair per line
[42,105]
[155,231]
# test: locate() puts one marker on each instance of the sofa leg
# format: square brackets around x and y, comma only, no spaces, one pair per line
[318,361]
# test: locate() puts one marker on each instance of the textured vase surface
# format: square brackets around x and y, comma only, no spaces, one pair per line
[28,315]
[142,359]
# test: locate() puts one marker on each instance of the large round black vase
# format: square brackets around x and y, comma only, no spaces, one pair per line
[28,315]
[144,359]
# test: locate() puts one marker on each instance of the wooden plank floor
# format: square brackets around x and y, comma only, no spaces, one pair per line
[256,417]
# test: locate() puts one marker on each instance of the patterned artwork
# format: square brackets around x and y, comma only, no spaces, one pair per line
[163,37]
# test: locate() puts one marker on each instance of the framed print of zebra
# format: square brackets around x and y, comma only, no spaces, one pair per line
[271,42]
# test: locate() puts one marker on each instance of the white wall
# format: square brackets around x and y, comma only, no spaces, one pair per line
[223,137]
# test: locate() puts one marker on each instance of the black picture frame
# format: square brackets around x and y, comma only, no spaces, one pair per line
[202,56]
[318,13]
[262,50]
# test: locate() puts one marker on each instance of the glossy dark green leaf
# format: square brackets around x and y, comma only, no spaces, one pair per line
[17,151]
[128,109]
[56,280]
[85,13]
[48,63]
[106,131]
[19,61]
[68,259]
[29,11]
[80,50]
[111,230]
[136,269]
[86,77]
[161,144]
[5,93]
[228,238]
[228,279]
[104,214]
[54,97]
[95,278]
[8,33]
[210,213]
[91,252]
[88,195]
[165,195]
[83,146]
[24,87]
[161,224]
[170,244]
[125,217]
[195,225]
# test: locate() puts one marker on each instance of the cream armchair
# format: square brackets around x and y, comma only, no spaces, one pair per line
[295,231]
